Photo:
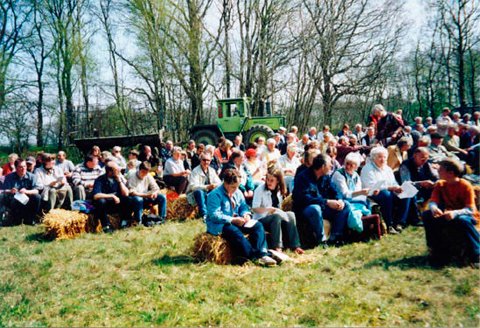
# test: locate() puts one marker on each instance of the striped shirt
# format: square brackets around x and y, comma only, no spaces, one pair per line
[83,176]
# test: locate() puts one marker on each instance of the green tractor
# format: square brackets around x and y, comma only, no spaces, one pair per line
[233,118]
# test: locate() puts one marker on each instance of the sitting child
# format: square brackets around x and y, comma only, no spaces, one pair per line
[452,213]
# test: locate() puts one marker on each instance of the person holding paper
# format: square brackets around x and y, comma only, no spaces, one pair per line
[418,170]
[452,220]
[378,175]
[145,191]
[228,215]
[266,207]
[52,183]
[18,185]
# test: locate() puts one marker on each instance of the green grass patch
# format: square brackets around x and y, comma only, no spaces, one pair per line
[145,277]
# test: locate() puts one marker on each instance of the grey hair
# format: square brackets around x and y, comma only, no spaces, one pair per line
[354,158]
[378,107]
[377,151]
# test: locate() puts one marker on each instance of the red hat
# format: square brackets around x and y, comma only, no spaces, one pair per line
[250,152]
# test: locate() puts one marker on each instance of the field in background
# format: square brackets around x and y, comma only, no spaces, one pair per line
[145,277]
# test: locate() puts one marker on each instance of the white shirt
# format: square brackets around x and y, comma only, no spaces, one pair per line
[263,198]
[339,180]
[173,166]
[371,175]
[44,179]
[286,163]
[142,186]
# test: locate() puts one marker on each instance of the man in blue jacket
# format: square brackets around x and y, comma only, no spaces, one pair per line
[315,198]
[228,214]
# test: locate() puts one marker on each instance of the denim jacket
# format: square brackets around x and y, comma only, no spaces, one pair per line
[222,209]
[310,191]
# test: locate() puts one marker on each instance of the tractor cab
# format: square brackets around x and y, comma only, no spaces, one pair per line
[232,114]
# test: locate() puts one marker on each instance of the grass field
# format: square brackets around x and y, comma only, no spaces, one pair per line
[145,277]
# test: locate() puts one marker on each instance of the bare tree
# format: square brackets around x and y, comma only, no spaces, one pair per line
[460,20]
[14,16]
[350,43]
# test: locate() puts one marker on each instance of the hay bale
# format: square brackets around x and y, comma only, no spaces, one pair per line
[63,224]
[211,248]
[181,209]
[287,203]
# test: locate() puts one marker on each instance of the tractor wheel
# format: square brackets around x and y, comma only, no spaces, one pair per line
[257,131]
[207,137]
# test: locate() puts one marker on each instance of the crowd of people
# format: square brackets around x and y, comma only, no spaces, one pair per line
[239,188]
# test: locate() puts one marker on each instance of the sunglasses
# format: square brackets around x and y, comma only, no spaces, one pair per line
[206,160]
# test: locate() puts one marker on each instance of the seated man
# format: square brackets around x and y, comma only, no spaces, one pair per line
[315,198]
[145,191]
[65,164]
[438,152]
[84,177]
[53,185]
[110,195]
[227,215]
[17,185]
[452,212]
[421,172]
[201,182]
[175,175]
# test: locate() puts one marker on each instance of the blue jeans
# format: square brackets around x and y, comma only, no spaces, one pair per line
[315,215]
[140,202]
[388,201]
[253,248]
[201,199]
[464,225]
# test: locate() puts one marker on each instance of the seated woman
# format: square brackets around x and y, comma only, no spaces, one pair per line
[398,153]
[452,211]
[253,166]
[266,206]
[378,175]
[223,152]
[228,213]
[236,162]
[52,183]
[349,183]
[332,152]
[174,173]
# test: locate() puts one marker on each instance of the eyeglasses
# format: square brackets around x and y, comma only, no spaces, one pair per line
[206,160]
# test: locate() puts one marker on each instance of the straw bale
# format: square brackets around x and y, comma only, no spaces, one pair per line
[181,209]
[287,204]
[63,224]
[211,248]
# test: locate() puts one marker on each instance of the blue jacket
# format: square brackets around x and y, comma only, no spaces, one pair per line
[309,191]
[222,210]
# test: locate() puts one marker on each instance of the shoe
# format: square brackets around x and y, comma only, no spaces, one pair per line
[267,261]
[124,223]
[418,224]
[150,224]
[107,229]
[204,218]
[299,251]
[399,228]
[392,231]
[279,256]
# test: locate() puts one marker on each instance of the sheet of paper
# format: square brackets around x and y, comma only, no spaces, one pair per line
[22,198]
[409,190]
[60,179]
[250,223]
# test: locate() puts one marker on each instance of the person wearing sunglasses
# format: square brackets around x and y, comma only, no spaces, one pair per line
[201,181]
